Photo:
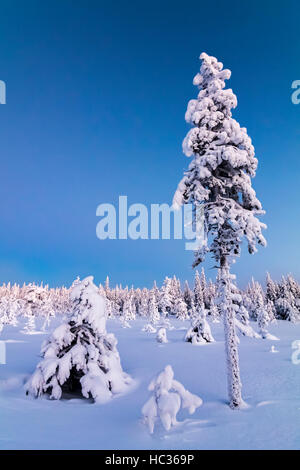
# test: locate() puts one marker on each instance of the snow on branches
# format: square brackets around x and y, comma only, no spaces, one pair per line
[167,398]
[80,355]
[219,175]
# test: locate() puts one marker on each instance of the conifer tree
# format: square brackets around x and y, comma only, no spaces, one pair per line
[187,296]
[198,293]
[219,180]
[153,312]
[80,355]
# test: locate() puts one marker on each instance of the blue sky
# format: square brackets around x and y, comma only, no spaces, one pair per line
[96,96]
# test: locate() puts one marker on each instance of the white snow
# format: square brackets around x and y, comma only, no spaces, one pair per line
[271,387]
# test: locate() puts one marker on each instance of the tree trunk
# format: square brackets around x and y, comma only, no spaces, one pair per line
[231,349]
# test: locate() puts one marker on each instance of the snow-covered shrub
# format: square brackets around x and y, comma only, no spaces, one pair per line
[199,332]
[218,180]
[167,398]
[149,328]
[161,336]
[80,355]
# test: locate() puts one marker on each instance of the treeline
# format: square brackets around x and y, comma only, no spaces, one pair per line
[280,299]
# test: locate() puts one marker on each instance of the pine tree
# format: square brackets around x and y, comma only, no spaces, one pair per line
[187,296]
[180,309]
[144,307]
[198,293]
[165,303]
[199,332]
[161,336]
[219,180]
[167,398]
[153,312]
[214,312]
[271,289]
[80,354]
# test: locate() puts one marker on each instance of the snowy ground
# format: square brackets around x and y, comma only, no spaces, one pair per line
[271,386]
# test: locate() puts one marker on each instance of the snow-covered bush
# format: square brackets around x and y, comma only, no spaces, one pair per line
[286,309]
[167,398]
[199,332]
[161,336]
[149,328]
[80,355]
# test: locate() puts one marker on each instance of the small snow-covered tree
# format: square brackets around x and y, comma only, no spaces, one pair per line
[168,396]
[254,293]
[219,180]
[30,327]
[270,308]
[214,312]
[241,313]
[161,336]
[199,332]
[144,303]
[198,293]
[263,320]
[187,296]
[286,305]
[271,289]
[128,311]
[153,312]
[80,354]
[180,309]
[165,303]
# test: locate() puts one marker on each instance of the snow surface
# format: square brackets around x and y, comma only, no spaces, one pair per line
[271,388]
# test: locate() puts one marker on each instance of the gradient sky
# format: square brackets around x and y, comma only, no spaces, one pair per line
[96,96]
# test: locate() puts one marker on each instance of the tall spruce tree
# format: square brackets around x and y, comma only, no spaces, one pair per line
[219,180]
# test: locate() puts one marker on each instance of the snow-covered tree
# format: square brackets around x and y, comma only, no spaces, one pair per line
[271,289]
[187,296]
[165,303]
[199,332]
[80,354]
[214,312]
[219,180]
[198,293]
[144,306]
[254,293]
[241,313]
[128,310]
[161,336]
[270,308]
[180,309]
[30,327]
[149,328]
[263,320]
[153,312]
[168,396]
